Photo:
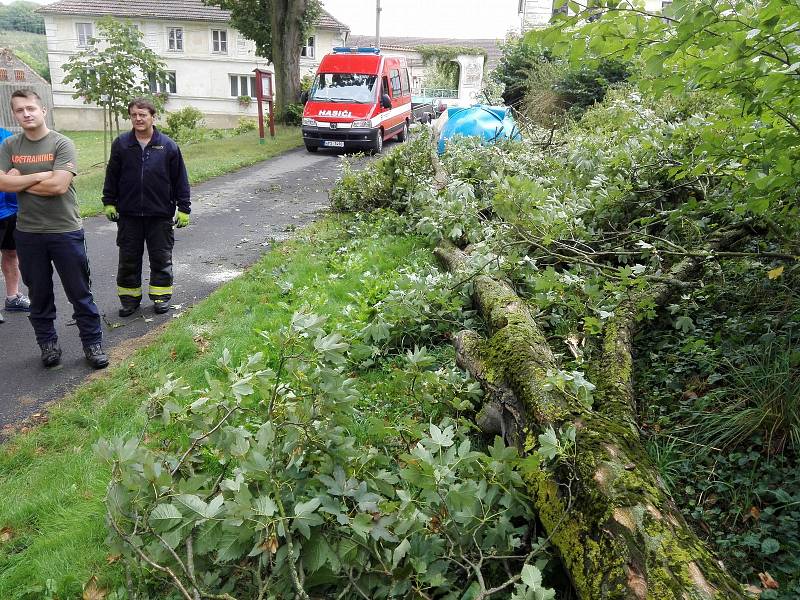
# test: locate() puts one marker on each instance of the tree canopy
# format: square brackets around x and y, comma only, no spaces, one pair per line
[21,16]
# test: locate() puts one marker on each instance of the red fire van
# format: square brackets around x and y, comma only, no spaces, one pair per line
[359,99]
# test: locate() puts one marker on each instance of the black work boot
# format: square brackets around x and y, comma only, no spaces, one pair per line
[96,356]
[51,353]
[161,304]
[128,308]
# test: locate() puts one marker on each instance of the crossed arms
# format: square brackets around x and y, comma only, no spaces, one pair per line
[46,183]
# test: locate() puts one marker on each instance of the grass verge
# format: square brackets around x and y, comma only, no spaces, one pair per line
[52,485]
[204,160]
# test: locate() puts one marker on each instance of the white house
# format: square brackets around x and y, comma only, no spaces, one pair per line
[210,64]
[537,13]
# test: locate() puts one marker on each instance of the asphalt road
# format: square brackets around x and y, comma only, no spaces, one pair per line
[235,218]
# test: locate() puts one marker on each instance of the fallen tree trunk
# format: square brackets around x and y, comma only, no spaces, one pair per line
[616,528]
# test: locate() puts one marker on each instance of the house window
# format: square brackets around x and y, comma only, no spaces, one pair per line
[308,49]
[175,39]
[219,41]
[3,75]
[19,75]
[160,87]
[243,85]
[84,31]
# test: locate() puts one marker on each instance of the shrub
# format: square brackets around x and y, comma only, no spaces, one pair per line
[293,113]
[388,182]
[187,117]
[519,60]
[244,125]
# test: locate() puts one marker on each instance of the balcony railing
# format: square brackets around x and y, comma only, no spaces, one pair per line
[438,93]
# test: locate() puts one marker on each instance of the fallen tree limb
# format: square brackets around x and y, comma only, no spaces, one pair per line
[616,528]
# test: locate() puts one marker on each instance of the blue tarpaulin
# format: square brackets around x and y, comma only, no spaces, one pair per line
[490,123]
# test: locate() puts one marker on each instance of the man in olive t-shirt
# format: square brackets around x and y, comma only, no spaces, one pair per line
[39,165]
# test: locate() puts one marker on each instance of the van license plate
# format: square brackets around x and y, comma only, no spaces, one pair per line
[333,144]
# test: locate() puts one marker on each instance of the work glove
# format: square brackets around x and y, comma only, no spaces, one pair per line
[181,219]
[111,212]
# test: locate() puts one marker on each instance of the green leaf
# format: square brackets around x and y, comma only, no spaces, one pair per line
[548,444]
[316,552]
[532,577]
[265,435]
[242,387]
[214,506]
[306,508]
[193,503]
[399,552]
[770,546]
[443,439]
[684,323]
[264,506]
[165,516]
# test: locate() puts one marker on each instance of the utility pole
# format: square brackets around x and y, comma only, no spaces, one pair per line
[378,24]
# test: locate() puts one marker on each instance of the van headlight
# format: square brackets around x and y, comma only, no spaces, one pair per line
[309,122]
[362,123]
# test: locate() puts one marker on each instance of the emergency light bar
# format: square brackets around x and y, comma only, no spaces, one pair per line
[359,50]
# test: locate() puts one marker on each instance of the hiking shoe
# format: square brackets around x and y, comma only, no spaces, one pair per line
[18,303]
[96,356]
[128,310]
[1,318]
[161,306]
[51,353]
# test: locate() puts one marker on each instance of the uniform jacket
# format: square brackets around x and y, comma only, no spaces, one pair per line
[149,182]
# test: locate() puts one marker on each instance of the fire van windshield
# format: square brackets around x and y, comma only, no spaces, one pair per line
[344,87]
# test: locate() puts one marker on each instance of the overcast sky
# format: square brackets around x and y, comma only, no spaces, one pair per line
[466,19]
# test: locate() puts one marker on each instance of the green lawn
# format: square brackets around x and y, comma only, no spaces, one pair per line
[52,485]
[204,160]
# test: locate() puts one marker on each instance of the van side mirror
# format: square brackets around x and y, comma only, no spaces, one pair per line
[386,102]
[304,96]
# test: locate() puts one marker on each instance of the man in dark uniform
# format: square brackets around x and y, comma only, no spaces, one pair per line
[145,182]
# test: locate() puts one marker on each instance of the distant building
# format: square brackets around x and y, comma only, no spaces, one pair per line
[16,74]
[472,66]
[537,13]
[210,64]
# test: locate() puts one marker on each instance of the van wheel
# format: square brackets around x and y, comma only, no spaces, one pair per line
[377,146]
[403,135]
[312,149]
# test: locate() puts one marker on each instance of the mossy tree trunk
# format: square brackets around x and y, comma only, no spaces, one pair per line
[604,507]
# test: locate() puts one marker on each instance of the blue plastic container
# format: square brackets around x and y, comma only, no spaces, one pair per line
[490,123]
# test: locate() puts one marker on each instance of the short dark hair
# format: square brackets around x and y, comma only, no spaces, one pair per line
[27,93]
[142,103]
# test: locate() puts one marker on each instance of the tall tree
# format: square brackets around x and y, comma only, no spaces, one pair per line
[279,29]
[116,67]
